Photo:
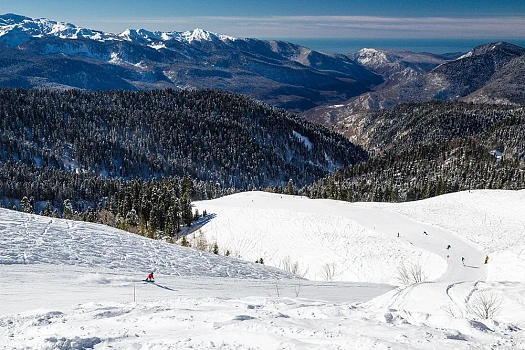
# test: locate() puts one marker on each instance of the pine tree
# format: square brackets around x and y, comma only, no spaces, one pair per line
[187,213]
[67,211]
[26,206]
[132,218]
[47,210]
[290,188]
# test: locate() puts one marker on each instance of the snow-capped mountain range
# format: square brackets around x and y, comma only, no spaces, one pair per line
[21,28]
[45,53]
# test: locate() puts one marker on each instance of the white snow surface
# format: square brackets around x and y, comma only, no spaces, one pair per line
[75,285]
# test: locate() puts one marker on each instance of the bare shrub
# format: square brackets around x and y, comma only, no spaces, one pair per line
[484,305]
[452,310]
[105,217]
[413,273]
[292,266]
[286,264]
[328,272]
[297,290]
[200,242]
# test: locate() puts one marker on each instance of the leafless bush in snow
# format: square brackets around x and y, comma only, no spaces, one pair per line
[292,266]
[485,305]
[413,273]
[453,310]
[200,242]
[297,290]
[328,272]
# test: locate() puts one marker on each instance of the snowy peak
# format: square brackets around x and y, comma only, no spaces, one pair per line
[204,35]
[15,29]
[140,35]
[11,19]
[371,57]
[143,35]
[498,48]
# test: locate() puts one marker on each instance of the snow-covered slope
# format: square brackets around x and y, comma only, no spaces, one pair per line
[32,239]
[360,239]
[77,285]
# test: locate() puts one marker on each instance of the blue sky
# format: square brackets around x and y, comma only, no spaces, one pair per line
[499,19]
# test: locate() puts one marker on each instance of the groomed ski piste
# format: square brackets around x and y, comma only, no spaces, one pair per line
[75,285]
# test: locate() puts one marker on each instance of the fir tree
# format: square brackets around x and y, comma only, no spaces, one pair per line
[47,211]
[67,211]
[26,206]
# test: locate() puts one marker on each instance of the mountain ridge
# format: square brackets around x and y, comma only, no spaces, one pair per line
[42,27]
[489,73]
[39,54]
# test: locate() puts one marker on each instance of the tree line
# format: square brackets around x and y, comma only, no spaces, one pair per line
[157,208]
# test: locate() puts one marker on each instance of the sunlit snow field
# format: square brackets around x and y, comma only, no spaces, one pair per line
[74,285]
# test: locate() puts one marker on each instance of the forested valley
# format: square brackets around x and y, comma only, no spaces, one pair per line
[136,160]
[423,150]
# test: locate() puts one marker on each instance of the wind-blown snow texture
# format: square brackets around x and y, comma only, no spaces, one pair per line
[70,285]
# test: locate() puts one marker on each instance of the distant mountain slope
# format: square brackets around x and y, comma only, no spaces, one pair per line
[424,150]
[504,87]
[42,53]
[489,73]
[408,126]
[207,134]
[397,65]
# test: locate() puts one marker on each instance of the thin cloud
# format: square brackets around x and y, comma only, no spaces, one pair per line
[337,26]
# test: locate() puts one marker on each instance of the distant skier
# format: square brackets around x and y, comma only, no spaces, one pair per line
[150,278]
[486,259]
[448,246]
[398,234]
[463,260]
[425,233]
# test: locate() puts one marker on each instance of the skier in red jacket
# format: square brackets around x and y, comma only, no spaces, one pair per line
[150,278]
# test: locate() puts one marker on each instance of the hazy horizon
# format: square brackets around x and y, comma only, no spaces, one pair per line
[435,46]
[466,20]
